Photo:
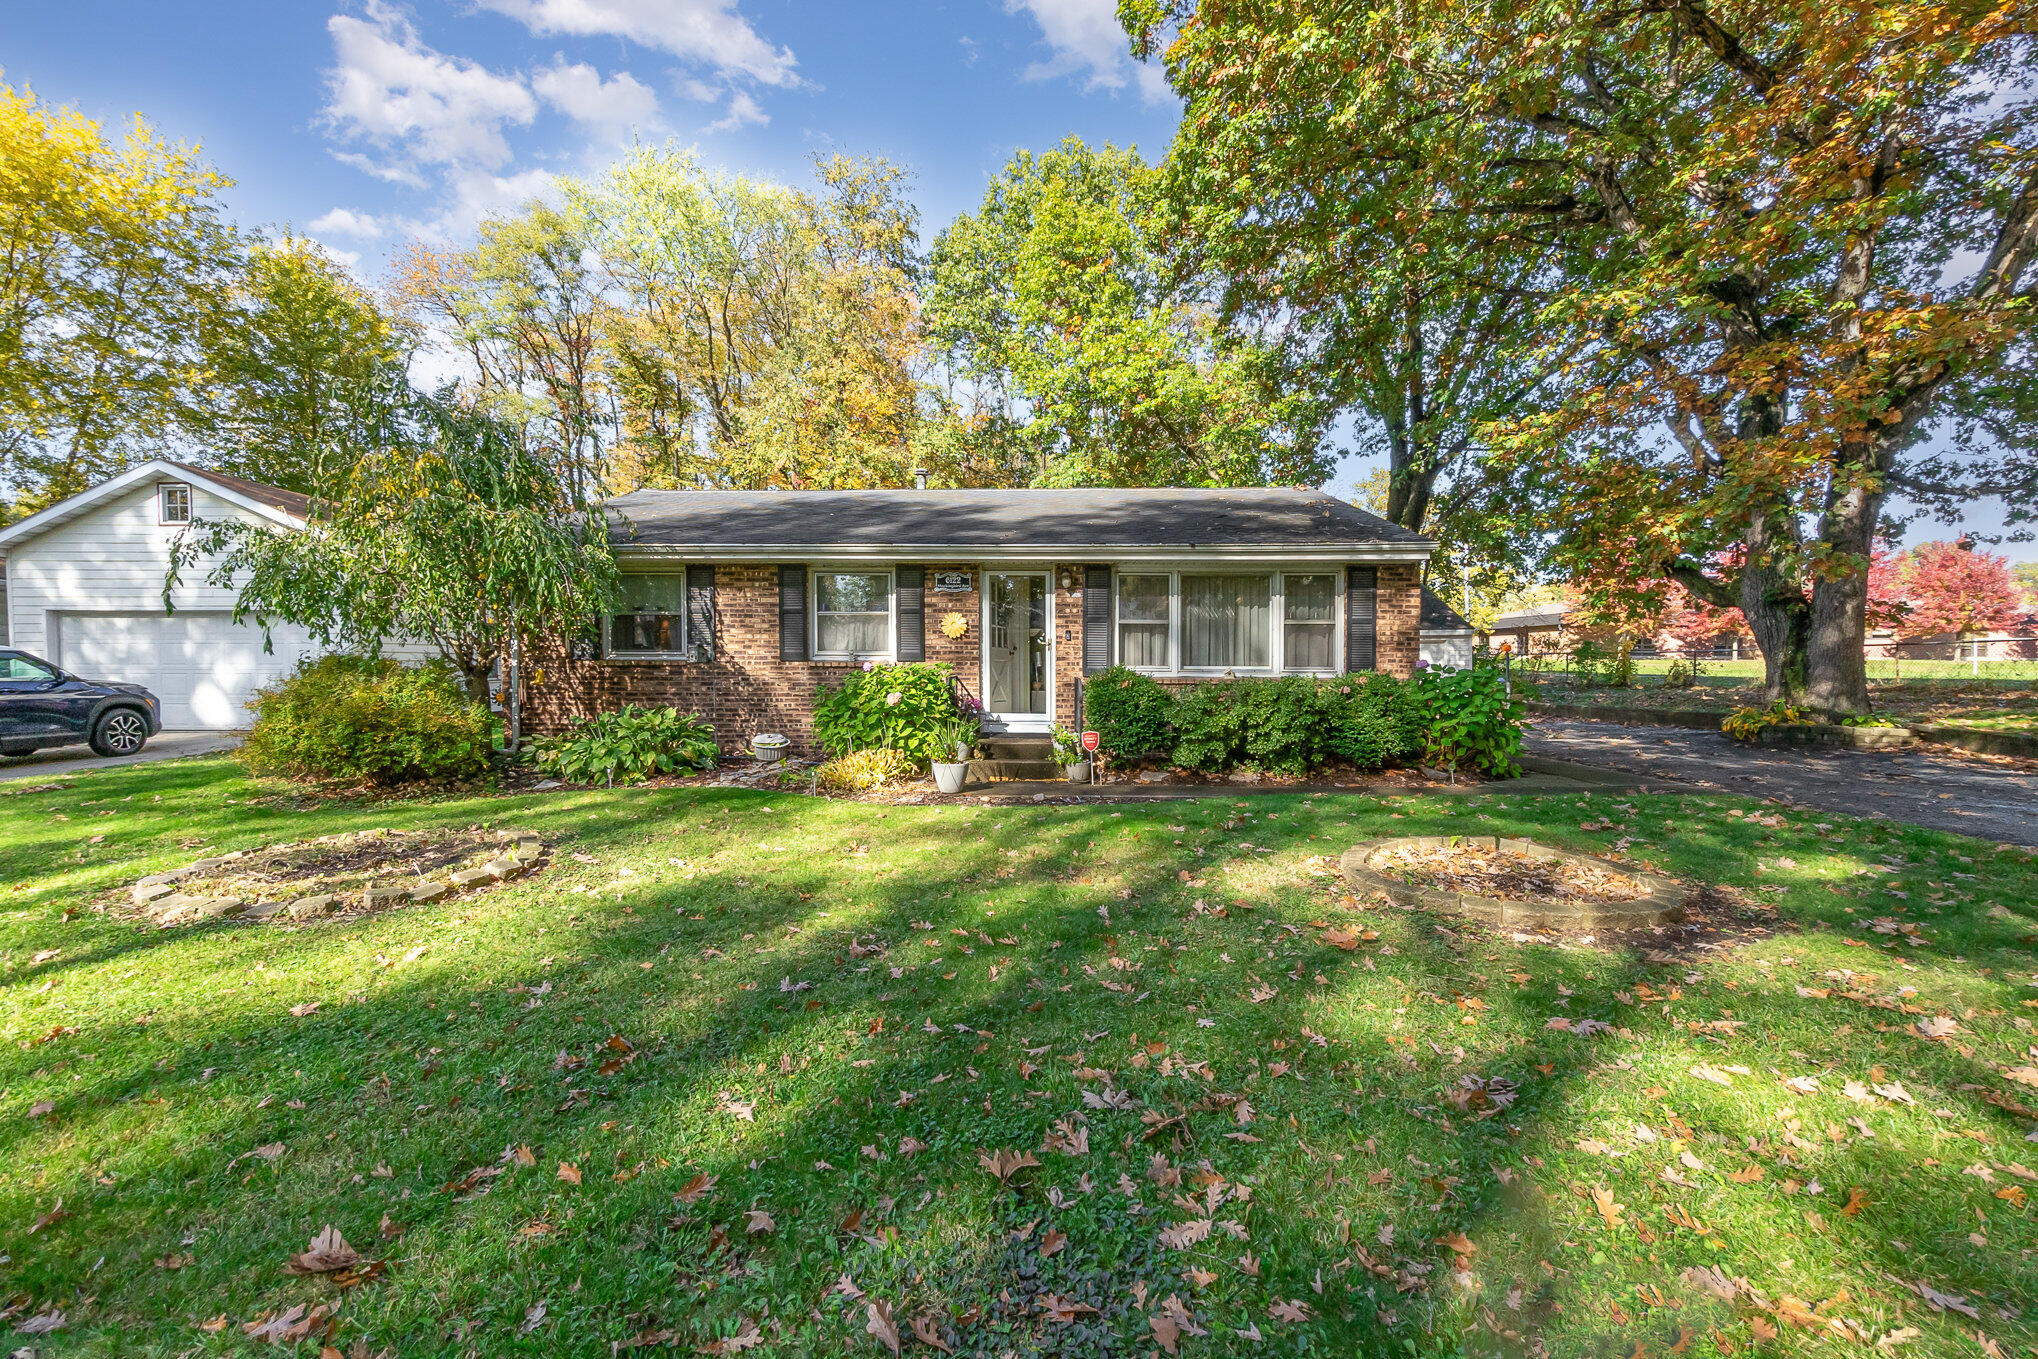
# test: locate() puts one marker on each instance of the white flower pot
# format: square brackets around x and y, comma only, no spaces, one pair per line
[949,776]
[1077,773]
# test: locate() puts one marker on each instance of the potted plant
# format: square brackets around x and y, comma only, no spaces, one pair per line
[1069,754]
[958,738]
[769,747]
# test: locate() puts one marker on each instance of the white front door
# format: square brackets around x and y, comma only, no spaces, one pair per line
[1018,660]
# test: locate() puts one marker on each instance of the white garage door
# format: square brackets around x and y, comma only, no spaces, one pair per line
[200,665]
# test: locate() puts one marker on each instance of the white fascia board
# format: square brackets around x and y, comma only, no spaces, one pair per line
[1068,555]
[155,469]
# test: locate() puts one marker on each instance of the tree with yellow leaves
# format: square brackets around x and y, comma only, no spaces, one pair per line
[112,257]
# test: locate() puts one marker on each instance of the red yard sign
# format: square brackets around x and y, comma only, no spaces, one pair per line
[1091,741]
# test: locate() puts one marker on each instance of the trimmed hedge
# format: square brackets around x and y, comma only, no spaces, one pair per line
[1287,725]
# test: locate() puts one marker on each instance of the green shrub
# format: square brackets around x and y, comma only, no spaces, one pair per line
[1132,714]
[871,767]
[1375,721]
[634,743]
[348,719]
[1470,719]
[1296,724]
[908,707]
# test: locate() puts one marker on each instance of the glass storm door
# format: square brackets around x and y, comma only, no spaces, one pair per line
[1018,652]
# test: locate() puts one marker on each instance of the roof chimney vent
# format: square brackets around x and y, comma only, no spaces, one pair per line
[919,478]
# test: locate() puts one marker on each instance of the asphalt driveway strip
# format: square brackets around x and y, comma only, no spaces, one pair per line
[1990,799]
[60,761]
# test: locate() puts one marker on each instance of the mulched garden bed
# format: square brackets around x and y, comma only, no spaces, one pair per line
[1505,873]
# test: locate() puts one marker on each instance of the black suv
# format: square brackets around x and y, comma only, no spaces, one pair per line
[42,705]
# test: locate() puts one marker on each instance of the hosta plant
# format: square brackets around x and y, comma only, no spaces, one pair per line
[630,744]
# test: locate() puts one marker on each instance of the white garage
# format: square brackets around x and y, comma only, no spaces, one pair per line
[85,589]
[201,665]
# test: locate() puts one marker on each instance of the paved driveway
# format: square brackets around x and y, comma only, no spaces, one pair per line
[169,745]
[1971,796]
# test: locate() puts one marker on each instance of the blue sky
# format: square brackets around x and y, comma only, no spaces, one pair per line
[363,123]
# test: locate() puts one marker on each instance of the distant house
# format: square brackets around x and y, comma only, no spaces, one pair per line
[1446,638]
[1531,630]
[85,590]
[740,604]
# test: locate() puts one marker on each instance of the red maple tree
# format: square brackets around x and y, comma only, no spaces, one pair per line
[1950,589]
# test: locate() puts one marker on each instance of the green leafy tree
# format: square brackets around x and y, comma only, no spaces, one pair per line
[524,304]
[1058,298]
[112,257]
[445,528]
[1782,239]
[293,347]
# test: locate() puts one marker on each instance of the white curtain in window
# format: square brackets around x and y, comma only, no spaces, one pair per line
[1143,622]
[1226,622]
[1309,637]
[852,612]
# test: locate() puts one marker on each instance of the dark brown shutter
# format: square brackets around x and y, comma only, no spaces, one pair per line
[1096,619]
[792,613]
[700,611]
[1361,609]
[912,588]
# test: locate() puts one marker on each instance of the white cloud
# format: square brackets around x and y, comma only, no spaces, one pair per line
[742,109]
[347,222]
[1088,44]
[388,89]
[699,91]
[614,106]
[709,32]
[476,194]
[969,49]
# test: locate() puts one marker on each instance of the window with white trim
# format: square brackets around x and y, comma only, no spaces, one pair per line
[650,617]
[1309,621]
[1210,622]
[852,615]
[1145,609]
[173,503]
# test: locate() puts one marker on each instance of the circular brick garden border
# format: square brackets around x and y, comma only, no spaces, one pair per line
[160,896]
[1664,902]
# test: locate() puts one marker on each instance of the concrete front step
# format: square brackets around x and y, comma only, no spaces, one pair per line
[999,747]
[1004,769]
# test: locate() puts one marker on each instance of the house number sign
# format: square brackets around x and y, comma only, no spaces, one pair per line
[952,582]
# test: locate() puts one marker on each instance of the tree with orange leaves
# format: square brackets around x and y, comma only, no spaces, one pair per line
[1788,235]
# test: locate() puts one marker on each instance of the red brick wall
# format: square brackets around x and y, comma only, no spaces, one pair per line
[746,689]
[1398,628]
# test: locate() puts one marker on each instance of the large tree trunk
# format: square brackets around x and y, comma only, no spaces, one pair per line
[1838,662]
[1776,609]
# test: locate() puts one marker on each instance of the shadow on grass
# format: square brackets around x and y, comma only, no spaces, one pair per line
[389,1080]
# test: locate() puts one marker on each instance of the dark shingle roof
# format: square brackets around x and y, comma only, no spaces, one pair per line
[1438,616]
[1535,618]
[275,497]
[999,519]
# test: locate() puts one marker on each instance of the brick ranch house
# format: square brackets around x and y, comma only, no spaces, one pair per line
[740,604]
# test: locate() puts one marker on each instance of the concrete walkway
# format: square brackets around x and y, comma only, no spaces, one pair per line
[1968,795]
[168,745]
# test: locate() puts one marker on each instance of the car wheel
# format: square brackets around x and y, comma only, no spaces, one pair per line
[120,732]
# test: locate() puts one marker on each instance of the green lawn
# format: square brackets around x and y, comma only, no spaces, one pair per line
[2024,722]
[1390,1150]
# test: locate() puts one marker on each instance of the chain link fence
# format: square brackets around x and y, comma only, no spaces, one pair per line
[2008,661]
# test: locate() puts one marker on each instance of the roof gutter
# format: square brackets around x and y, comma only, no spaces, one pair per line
[809,552]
